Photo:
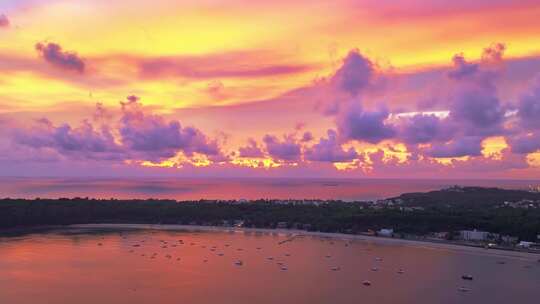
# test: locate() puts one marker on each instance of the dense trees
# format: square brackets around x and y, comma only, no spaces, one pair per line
[437,215]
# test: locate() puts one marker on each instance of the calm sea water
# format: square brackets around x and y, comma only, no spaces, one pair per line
[78,266]
[194,189]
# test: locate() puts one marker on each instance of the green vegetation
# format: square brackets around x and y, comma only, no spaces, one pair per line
[445,210]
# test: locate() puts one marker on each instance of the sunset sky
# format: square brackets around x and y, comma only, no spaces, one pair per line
[237,88]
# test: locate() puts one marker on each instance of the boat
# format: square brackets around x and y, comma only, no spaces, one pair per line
[366,283]
[401,271]
[374,269]
[467,277]
[464,289]
[336,268]
[239,263]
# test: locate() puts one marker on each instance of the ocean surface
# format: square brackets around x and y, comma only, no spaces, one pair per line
[157,266]
[240,188]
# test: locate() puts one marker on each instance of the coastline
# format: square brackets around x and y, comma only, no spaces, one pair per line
[512,254]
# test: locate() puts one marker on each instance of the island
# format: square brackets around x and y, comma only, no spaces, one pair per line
[472,216]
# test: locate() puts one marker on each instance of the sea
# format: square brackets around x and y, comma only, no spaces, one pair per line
[88,266]
[234,188]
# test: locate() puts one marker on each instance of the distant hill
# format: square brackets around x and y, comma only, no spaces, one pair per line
[467,197]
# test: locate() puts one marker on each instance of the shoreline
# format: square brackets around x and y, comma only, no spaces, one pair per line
[375,239]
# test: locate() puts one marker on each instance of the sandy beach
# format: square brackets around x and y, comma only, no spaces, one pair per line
[527,256]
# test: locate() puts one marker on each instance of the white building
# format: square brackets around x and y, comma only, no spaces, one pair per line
[474,235]
[386,232]
[524,244]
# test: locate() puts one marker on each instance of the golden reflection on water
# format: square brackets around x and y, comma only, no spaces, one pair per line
[150,266]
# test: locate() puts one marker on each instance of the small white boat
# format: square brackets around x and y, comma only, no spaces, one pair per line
[464,289]
[336,268]
[239,263]
[467,277]
[366,283]
[401,271]
[374,269]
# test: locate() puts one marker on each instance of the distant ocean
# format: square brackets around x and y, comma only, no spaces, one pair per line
[233,188]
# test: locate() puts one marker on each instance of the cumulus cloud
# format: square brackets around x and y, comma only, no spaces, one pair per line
[84,141]
[329,150]
[458,147]
[4,21]
[529,107]
[287,149]
[525,143]
[462,68]
[159,138]
[370,126]
[479,111]
[420,129]
[355,74]
[252,150]
[53,54]
[307,137]
[474,108]
[137,135]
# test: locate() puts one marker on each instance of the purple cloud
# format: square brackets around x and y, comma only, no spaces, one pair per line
[158,138]
[356,124]
[529,107]
[462,68]
[307,137]
[458,147]
[355,74]
[251,150]
[420,129]
[478,110]
[53,54]
[84,141]
[330,150]
[524,144]
[142,136]
[287,149]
